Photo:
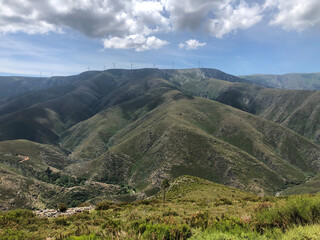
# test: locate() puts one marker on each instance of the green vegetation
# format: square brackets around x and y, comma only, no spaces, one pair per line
[298,81]
[165,184]
[61,180]
[195,209]
[62,207]
[295,109]
[114,135]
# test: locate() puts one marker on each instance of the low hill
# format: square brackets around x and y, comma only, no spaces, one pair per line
[194,209]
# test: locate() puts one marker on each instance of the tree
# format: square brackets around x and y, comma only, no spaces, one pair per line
[62,207]
[165,184]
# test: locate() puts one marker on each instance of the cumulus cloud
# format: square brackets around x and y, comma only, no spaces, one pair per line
[137,41]
[191,44]
[191,13]
[230,19]
[295,14]
[113,18]
[94,18]
[105,19]
[134,23]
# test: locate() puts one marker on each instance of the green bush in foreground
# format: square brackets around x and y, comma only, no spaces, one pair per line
[165,232]
[14,217]
[84,237]
[301,210]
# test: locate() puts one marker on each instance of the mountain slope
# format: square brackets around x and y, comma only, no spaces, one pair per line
[184,133]
[290,81]
[296,109]
[42,116]
[108,134]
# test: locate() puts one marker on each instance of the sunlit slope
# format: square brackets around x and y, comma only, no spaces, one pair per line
[301,81]
[196,136]
[298,110]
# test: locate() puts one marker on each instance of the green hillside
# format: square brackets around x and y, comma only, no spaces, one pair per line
[194,209]
[117,134]
[184,133]
[290,81]
[294,109]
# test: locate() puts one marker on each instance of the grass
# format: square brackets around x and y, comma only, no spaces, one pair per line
[195,209]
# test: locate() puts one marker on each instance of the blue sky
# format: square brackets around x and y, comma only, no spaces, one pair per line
[63,37]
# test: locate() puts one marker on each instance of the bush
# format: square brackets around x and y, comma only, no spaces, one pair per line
[199,220]
[18,216]
[92,236]
[61,222]
[104,205]
[170,213]
[62,207]
[301,210]
[165,232]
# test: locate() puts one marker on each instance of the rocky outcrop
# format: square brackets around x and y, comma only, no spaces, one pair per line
[57,213]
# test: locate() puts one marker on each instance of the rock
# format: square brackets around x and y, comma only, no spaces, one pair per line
[56,213]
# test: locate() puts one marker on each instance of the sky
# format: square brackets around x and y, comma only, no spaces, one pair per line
[65,37]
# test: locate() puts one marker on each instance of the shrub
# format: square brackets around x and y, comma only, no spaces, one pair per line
[299,210]
[18,216]
[262,206]
[230,224]
[104,205]
[84,204]
[62,207]
[165,232]
[92,236]
[199,220]
[170,213]
[225,201]
[61,222]
[112,226]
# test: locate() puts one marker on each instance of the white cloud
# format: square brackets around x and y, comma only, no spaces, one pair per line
[94,18]
[137,42]
[114,19]
[295,14]
[191,44]
[230,19]
[190,14]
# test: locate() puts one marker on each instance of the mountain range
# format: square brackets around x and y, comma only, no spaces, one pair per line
[289,81]
[116,134]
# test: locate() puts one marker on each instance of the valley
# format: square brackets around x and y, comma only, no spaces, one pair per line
[116,134]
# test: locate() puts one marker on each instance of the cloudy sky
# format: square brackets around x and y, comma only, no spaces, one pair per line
[62,37]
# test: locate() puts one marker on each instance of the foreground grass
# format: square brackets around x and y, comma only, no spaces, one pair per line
[193,211]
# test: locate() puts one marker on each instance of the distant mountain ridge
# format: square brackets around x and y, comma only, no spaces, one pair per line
[13,85]
[290,81]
